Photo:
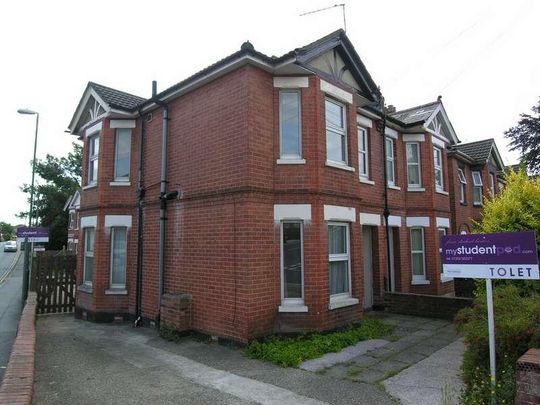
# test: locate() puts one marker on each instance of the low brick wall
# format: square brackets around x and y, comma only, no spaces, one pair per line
[528,378]
[176,312]
[430,306]
[18,384]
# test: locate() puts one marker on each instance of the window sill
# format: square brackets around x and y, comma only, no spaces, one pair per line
[116,291]
[285,161]
[89,186]
[416,189]
[463,203]
[85,288]
[420,282]
[367,181]
[394,187]
[292,308]
[120,183]
[341,302]
[446,279]
[477,205]
[441,192]
[341,166]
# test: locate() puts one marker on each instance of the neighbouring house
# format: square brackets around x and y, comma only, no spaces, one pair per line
[252,197]
[72,207]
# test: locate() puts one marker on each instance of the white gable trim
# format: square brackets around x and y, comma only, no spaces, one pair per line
[336,213]
[336,92]
[89,222]
[117,220]
[363,121]
[418,221]
[80,108]
[292,82]
[122,124]
[414,137]
[292,211]
[370,219]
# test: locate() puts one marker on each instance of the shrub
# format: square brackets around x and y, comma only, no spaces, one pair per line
[517,328]
[291,351]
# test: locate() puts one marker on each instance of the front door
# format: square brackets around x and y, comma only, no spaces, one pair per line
[368,266]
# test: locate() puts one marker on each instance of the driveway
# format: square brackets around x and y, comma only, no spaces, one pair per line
[85,363]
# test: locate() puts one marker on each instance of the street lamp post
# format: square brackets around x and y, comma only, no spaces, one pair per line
[26,272]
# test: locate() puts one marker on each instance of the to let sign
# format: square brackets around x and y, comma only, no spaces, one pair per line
[511,255]
[34,234]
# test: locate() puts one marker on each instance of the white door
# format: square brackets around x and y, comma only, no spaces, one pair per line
[368,267]
[392,269]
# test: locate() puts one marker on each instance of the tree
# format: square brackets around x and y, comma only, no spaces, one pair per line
[7,231]
[525,137]
[58,178]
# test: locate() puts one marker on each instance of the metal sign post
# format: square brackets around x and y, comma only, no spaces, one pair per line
[511,255]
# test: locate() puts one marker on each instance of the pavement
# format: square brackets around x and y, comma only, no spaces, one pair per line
[86,363]
[10,303]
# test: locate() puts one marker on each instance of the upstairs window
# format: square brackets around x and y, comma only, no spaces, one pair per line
[492,184]
[290,125]
[72,220]
[122,156]
[363,153]
[336,132]
[391,176]
[438,165]
[93,158]
[413,165]
[477,183]
[462,187]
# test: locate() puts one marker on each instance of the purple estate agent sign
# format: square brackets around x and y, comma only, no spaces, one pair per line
[34,234]
[511,255]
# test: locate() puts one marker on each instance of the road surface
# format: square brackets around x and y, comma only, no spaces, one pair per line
[10,303]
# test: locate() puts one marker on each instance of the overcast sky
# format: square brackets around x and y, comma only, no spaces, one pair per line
[482,56]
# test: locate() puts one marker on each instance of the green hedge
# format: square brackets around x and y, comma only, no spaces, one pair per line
[517,328]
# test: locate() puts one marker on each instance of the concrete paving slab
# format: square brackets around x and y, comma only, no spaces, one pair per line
[409,357]
[346,354]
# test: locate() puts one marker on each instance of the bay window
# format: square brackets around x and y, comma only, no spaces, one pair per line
[418,260]
[339,259]
[414,178]
[118,256]
[336,132]
[122,156]
[93,158]
[292,262]
[391,176]
[462,187]
[290,124]
[89,239]
[477,191]
[438,166]
[363,153]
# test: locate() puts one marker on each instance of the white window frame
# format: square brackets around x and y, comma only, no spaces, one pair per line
[291,301]
[111,284]
[391,179]
[363,154]
[437,152]
[341,258]
[88,253]
[492,184]
[478,185]
[122,178]
[93,157]
[299,98]
[338,131]
[463,186]
[419,164]
[418,277]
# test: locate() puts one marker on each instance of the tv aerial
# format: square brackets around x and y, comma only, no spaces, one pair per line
[342,5]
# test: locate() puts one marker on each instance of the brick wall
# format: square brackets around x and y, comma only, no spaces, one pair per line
[528,378]
[430,306]
[18,383]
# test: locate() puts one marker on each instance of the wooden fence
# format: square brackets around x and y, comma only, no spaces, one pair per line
[53,279]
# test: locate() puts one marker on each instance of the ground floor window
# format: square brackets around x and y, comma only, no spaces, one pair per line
[441,232]
[339,258]
[292,262]
[118,256]
[89,239]
[418,259]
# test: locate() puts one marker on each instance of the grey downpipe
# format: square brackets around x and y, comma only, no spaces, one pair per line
[386,212]
[140,227]
[163,199]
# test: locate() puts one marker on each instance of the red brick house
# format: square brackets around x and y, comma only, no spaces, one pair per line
[253,196]
[72,207]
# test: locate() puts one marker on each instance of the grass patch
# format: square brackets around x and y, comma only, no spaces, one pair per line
[354,371]
[291,351]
